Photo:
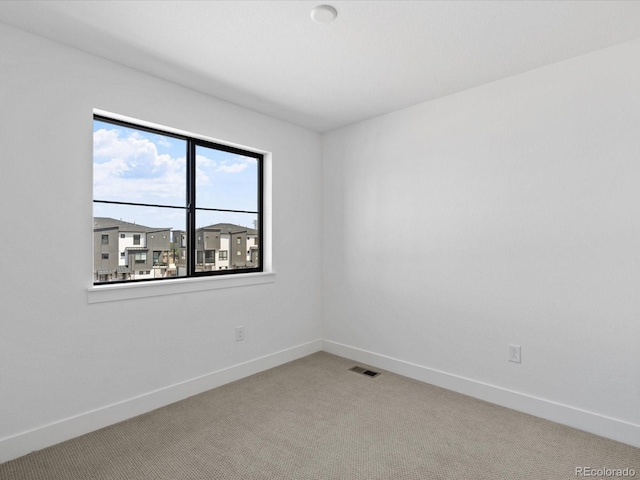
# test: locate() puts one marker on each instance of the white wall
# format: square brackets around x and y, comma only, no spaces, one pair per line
[62,358]
[509,213]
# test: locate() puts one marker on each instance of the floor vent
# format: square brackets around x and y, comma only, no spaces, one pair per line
[364,371]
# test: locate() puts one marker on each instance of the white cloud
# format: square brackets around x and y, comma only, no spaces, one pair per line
[233,168]
[164,142]
[202,165]
[131,169]
[203,161]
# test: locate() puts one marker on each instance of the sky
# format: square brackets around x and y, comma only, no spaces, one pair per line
[136,166]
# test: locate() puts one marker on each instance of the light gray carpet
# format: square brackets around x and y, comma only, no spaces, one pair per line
[314,419]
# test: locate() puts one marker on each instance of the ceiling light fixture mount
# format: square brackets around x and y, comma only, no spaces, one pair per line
[324,14]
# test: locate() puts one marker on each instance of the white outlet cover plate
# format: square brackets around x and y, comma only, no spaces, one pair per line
[514,353]
[239,334]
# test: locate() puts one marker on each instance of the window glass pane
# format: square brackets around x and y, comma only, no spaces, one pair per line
[226,180]
[142,242]
[131,165]
[229,239]
[142,225]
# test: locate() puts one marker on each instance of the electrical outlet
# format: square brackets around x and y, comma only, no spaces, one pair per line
[514,353]
[239,334]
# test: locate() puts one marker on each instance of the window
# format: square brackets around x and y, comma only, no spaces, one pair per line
[105,256]
[105,240]
[150,180]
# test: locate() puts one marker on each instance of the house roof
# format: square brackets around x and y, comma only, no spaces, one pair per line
[122,226]
[230,228]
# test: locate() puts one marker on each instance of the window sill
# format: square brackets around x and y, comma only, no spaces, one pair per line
[123,291]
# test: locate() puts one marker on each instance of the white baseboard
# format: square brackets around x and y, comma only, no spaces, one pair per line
[603,426]
[25,442]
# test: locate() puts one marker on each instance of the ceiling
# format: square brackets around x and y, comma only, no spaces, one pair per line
[376,57]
